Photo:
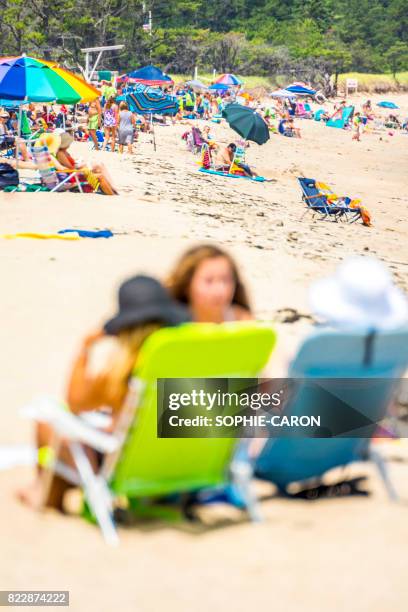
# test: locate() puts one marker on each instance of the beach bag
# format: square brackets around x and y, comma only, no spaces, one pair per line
[8,176]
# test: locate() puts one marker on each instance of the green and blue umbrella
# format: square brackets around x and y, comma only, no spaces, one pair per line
[146,100]
[246,122]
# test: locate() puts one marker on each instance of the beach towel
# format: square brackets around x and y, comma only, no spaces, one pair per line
[335,200]
[259,179]
[88,233]
[39,236]
[26,187]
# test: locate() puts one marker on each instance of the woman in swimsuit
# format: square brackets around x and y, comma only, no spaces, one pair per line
[94,119]
[110,122]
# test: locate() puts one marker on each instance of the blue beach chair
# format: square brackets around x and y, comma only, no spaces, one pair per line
[380,357]
[346,116]
[317,202]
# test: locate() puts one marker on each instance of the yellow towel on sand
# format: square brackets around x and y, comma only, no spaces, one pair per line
[40,236]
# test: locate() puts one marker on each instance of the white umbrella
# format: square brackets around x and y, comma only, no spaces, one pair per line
[195,84]
[282,93]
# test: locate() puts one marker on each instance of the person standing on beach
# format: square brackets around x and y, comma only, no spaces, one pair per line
[110,122]
[357,126]
[94,121]
[126,129]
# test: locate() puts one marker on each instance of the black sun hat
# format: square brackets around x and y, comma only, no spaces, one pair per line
[142,299]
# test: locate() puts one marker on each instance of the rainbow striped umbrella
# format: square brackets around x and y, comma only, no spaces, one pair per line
[229,79]
[34,80]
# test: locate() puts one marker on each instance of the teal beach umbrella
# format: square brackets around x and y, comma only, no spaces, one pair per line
[246,122]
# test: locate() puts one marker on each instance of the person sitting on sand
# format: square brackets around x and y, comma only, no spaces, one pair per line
[368,110]
[58,145]
[144,307]
[225,157]
[207,280]
[287,128]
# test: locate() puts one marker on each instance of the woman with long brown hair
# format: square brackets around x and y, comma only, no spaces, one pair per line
[207,280]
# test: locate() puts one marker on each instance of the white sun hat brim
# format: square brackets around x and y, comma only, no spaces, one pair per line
[341,304]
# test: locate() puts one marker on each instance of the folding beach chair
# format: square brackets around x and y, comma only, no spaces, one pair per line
[138,464]
[379,358]
[48,173]
[207,161]
[198,140]
[342,122]
[238,158]
[320,199]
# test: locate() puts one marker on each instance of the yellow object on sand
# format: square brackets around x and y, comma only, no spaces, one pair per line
[40,236]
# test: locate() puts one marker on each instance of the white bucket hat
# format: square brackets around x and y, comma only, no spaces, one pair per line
[360,294]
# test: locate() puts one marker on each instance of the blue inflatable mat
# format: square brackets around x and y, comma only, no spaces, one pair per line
[260,179]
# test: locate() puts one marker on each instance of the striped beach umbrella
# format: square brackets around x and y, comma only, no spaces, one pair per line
[147,100]
[34,80]
[229,79]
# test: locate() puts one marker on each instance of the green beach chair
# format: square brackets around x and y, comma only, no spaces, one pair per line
[137,463]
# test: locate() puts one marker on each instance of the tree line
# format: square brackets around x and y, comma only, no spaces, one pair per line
[311,39]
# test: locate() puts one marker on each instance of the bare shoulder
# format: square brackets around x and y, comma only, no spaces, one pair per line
[241,314]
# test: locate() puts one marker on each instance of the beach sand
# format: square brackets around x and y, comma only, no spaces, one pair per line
[342,554]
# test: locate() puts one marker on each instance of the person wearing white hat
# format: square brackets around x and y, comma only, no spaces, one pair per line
[360,294]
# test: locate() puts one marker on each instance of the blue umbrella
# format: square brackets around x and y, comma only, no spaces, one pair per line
[150,75]
[219,87]
[147,100]
[385,104]
[300,90]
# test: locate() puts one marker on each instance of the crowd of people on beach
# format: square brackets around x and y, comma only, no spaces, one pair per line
[108,124]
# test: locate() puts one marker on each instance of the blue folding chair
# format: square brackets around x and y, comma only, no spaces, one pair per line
[374,361]
[342,122]
[317,202]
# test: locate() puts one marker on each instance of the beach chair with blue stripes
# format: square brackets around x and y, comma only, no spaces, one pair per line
[319,199]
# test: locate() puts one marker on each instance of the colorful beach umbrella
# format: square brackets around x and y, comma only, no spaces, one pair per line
[146,100]
[34,80]
[150,75]
[246,122]
[229,79]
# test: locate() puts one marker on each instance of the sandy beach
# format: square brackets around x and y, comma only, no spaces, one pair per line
[341,554]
